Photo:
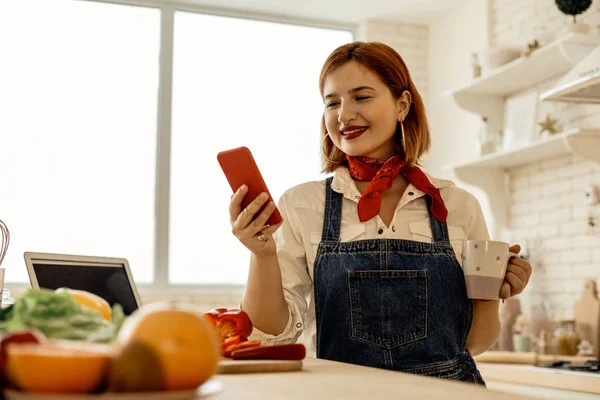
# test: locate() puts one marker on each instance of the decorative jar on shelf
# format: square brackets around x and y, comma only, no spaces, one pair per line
[565,338]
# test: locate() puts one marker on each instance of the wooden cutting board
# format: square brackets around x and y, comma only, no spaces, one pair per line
[509,311]
[227,366]
[587,315]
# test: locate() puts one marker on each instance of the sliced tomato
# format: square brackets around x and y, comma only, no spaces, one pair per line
[242,345]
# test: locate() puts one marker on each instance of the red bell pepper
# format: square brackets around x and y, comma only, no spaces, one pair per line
[242,345]
[231,341]
[295,351]
[230,322]
[212,315]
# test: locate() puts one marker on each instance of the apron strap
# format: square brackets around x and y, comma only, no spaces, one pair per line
[439,229]
[333,213]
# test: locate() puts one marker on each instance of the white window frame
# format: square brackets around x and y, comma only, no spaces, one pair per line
[165,94]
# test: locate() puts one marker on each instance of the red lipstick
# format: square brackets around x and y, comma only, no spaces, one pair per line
[352,131]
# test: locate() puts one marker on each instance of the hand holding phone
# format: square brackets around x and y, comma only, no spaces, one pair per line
[240,169]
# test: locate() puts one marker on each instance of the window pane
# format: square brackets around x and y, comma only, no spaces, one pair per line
[78,103]
[238,83]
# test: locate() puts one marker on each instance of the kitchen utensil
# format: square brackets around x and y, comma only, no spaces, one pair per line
[227,366]
[587,315]
[4,240]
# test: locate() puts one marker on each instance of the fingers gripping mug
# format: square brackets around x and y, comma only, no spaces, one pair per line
[484,265]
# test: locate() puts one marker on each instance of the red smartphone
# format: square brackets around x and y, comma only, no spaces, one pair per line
[241,169]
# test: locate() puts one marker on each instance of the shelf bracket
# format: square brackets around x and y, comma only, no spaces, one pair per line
[484,105]
[586,146]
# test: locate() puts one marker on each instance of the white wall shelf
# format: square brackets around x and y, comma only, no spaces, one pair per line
[584,143]
[489,172]
[485,95]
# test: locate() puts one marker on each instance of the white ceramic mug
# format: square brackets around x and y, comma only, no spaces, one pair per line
[484,265]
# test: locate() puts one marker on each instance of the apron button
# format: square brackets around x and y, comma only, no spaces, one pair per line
[411,193]
[393,228]
[299,325]
[380,231]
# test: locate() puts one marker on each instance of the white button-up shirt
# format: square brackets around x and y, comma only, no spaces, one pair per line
[302,208]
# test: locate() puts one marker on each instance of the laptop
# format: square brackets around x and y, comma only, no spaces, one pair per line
[109,278]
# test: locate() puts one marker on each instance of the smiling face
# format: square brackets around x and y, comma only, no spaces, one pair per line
[361,114]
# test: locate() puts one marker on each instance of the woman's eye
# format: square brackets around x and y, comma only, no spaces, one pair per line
[332,104]
[359,98]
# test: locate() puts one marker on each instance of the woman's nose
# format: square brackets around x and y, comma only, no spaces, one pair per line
[346,114]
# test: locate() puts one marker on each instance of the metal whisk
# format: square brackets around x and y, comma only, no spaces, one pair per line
[4,240]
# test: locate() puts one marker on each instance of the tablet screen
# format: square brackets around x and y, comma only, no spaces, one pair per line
[107,281]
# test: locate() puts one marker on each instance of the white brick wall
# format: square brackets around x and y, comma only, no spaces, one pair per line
[411,41]
[516,20]
[547,197]
[547,204]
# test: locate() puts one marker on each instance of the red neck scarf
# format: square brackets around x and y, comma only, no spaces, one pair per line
[381,175]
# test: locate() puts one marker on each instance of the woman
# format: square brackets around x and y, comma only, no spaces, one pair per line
[366,263]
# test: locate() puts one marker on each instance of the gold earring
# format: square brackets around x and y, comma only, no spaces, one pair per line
[325,155]
[403,137]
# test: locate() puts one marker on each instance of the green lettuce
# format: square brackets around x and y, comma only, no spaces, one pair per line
[59,316]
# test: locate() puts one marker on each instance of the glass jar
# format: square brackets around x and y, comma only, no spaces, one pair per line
[6,300]
[485,141]
[565,338]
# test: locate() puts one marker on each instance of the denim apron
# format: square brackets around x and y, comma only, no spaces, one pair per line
[392,303]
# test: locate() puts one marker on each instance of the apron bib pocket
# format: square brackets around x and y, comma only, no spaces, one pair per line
[388,308]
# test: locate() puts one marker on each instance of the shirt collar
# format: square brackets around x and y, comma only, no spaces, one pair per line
[344,184]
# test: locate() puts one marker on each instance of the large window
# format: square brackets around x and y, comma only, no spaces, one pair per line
[81,92]
[78,109]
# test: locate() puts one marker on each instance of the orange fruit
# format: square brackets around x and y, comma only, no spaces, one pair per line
[57,366]
[183,343]
[90,300]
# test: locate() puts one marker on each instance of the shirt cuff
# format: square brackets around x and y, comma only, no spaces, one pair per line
[291,332]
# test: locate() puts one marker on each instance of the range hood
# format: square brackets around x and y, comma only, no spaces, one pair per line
[581,84]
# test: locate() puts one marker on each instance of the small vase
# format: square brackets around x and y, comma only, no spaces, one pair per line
[522,343]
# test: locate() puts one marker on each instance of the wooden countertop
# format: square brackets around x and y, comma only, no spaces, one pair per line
[542,377]
[322,379]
